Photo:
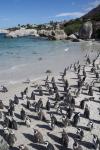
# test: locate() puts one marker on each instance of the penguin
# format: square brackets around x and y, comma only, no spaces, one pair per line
[65,139]
[87,112]
[76,119]
[48,105]
[16,100]
[33,95]
[38,137]
[23,114]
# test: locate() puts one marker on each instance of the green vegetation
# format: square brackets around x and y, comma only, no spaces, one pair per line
[72,26]
[94,17]
[40,27]
[13,29]
[29,26]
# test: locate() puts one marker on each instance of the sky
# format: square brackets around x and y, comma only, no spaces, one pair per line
[14,12]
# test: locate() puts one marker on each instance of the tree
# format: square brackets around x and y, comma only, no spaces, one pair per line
[19,25]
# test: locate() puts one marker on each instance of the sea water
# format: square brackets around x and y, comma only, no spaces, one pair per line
[30,57]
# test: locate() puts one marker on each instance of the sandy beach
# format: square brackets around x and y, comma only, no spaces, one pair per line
[24,134]
[50,75]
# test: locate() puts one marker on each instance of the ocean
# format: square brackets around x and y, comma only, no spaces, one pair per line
[30,57]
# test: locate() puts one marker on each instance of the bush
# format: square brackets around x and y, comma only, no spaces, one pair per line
[72,27]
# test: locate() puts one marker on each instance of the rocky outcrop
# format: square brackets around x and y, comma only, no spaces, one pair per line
[45,33]
[72,37]
[53,34]
[50,34]
[22,32]
[86,30]
[58,35]
[4,31]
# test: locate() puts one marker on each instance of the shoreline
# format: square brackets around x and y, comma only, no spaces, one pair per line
[39,63]
[69,38]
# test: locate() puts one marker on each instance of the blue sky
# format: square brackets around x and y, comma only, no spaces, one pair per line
[13,12]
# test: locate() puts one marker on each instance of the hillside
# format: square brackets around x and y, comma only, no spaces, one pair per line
[94,14]
[73,26]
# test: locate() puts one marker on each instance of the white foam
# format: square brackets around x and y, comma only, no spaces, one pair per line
[66,50]
[90,43]
[17,66]
[14,68]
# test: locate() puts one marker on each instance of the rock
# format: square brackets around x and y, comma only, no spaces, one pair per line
[50,34]
[72,36]
[75,40]
[53,34]
[45,33]
[22,32]
[58,35]
[86,30]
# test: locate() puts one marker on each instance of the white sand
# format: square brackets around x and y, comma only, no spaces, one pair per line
[24,134]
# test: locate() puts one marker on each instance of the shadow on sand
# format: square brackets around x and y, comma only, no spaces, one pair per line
[54,138]
[86,144]
[44,127]
[36,146]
